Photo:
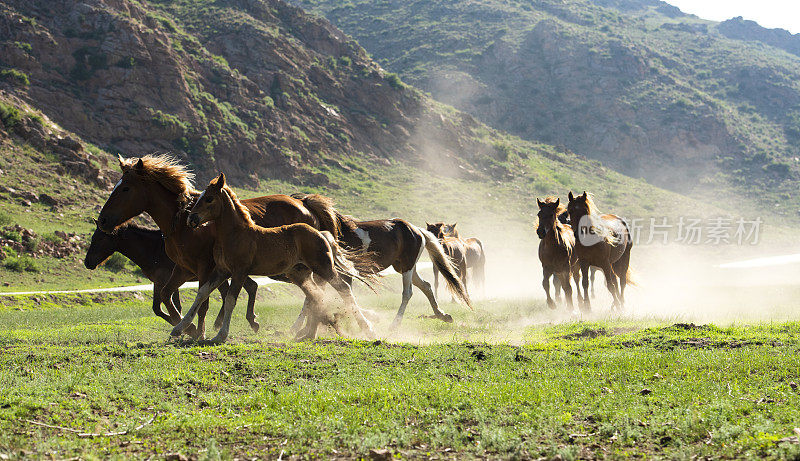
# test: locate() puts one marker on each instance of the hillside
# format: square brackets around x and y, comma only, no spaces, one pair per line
[688,104]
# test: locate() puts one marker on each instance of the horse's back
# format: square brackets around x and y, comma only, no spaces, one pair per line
[278,210]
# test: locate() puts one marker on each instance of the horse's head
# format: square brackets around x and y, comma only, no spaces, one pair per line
[128,198]
[548,212]
[208,205]
[436,229]
[449,230]
[578,207]
[102,247]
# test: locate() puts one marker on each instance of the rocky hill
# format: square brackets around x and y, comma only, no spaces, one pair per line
[686,103]
[256,88]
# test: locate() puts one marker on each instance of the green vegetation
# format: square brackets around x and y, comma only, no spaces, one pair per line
[9,115]
[627,388]
[15,76]
[22,263]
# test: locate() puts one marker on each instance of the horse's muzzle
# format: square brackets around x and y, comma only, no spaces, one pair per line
[193,220]
[541,232]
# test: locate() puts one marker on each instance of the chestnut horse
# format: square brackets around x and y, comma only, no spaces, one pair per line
[161,187]
[145,248]
[603,241]
[242,248]
[556,250]
[399,244]
[466,254]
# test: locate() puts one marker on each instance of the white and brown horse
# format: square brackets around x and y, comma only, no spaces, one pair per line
[466,254]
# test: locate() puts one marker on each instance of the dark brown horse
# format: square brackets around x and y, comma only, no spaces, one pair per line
[603,241]
[161,187]
[466,254]
[145,248]
[399,244]
[242,248]
[556,250]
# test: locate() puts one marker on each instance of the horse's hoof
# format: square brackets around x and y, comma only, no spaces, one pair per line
[176,332]
[255,326]
[551,304]
[217,324]
[395,324]
[446,318]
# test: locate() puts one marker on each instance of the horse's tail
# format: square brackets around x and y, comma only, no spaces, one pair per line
[322,208]
[444,265]
[630,278]
[356,264]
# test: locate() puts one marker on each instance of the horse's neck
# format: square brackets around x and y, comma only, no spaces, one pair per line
[230,220]
[143,251]
[162,206]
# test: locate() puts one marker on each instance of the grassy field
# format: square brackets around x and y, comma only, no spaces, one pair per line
[511,380]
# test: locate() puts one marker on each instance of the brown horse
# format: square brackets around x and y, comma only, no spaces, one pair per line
[399,244]
[603,241]
[161,187]
[466,254]
[556,250]
[145,248]
[242,248]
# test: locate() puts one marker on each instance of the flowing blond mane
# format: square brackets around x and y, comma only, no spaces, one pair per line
[563,234]
[163,169]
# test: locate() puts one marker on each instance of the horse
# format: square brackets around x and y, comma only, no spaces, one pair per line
[556,250]
[466,254]
[603,241]
[399,244]
[242,248]
[161,187]
[145,248]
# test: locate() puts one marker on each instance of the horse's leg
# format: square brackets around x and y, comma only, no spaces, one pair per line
[611,284]
[251,287]
[576,276]
[593,271]
[546,285]
[176,300]
[435,281]
[157,303]
[311,305]
[621,267]
[567,287]
[223,292]
[587,305]
[420,283]
[170,288]
[408,277]
[205,290]
[351,305]
[557,287]
[228,303]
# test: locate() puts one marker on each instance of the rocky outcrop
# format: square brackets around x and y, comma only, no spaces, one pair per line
[253,88]
[741,29]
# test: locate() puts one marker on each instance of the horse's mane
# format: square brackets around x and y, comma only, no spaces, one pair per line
[165,170]
[346,221]
[563,234]
[238,207]
[602,230]
[137,229]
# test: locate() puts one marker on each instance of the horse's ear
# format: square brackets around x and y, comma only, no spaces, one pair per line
[427,224]
[540,203]
[122,162]
[140,166]
[453,226]
[584,194]
[221,180]
[97,224]
[570,196]
[558,202]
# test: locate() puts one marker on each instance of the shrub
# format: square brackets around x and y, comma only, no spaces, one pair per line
[126,63]
[26,47]
[14,236]
[21,264]
[32,245]
[15,77]
[9,115]
[5,219]
[394,81]
[116,262]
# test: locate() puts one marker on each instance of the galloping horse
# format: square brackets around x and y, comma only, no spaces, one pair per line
[161,187]
[145,248]
[603,241]
[399,244]
[556,250]
[466,254]
[242,248]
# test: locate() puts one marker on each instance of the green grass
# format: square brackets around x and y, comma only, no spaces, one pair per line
[623,388]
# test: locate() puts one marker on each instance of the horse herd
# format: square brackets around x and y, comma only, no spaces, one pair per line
[212,236]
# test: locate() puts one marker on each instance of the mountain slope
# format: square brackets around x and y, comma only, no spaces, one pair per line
[636,84]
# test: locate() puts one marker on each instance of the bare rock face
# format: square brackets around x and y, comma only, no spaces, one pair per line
[253,88]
